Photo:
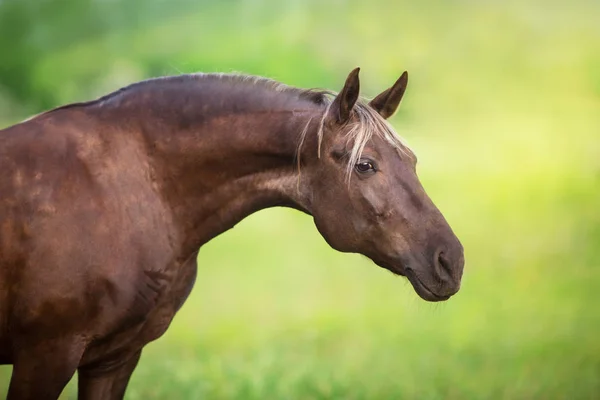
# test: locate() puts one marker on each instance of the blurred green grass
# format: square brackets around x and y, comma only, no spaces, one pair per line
[503,110]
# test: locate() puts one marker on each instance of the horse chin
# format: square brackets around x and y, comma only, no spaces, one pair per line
[420,288]
[423,291]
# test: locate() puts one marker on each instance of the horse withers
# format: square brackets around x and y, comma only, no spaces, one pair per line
[104,205]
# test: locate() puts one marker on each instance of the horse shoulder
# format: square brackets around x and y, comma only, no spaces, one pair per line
[97,238]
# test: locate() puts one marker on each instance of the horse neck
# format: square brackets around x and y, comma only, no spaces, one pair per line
[214,173]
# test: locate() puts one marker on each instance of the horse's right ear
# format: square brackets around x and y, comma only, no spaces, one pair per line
[344,102]
[387,102]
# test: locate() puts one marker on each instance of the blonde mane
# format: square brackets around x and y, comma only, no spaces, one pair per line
[362,128]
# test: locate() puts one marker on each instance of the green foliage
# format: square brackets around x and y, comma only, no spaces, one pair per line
[503,110]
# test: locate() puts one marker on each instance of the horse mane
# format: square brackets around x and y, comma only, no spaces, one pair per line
[187,81]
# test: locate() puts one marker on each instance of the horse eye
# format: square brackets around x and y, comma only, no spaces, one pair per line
[364,166]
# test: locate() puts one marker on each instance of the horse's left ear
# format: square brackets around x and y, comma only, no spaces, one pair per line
[344,102]
[387,102]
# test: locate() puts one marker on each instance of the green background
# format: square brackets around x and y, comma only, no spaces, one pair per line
[503,111]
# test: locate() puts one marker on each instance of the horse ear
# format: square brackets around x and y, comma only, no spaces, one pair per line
[387,102]
[345,100]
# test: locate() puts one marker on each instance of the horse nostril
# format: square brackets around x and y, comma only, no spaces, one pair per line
[443,266]
[443,262]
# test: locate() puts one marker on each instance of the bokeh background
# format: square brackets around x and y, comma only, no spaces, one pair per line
[503,110]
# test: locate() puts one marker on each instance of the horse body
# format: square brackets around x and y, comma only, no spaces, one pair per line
[105,204]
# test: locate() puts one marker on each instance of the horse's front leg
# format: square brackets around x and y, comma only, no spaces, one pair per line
[42,370]
[107,381]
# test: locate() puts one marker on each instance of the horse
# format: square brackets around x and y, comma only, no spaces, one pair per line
[105,204]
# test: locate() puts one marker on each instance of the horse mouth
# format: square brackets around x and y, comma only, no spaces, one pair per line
[422,290]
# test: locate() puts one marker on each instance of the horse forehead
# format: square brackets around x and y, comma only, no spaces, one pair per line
[400,153]
[383,148]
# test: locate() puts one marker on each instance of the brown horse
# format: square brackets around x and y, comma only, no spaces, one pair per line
[104,205]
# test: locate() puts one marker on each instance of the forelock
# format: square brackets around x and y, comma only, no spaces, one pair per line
[365,124]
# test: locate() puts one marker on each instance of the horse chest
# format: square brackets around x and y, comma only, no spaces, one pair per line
[184,282]
[155,320]
[175,293]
